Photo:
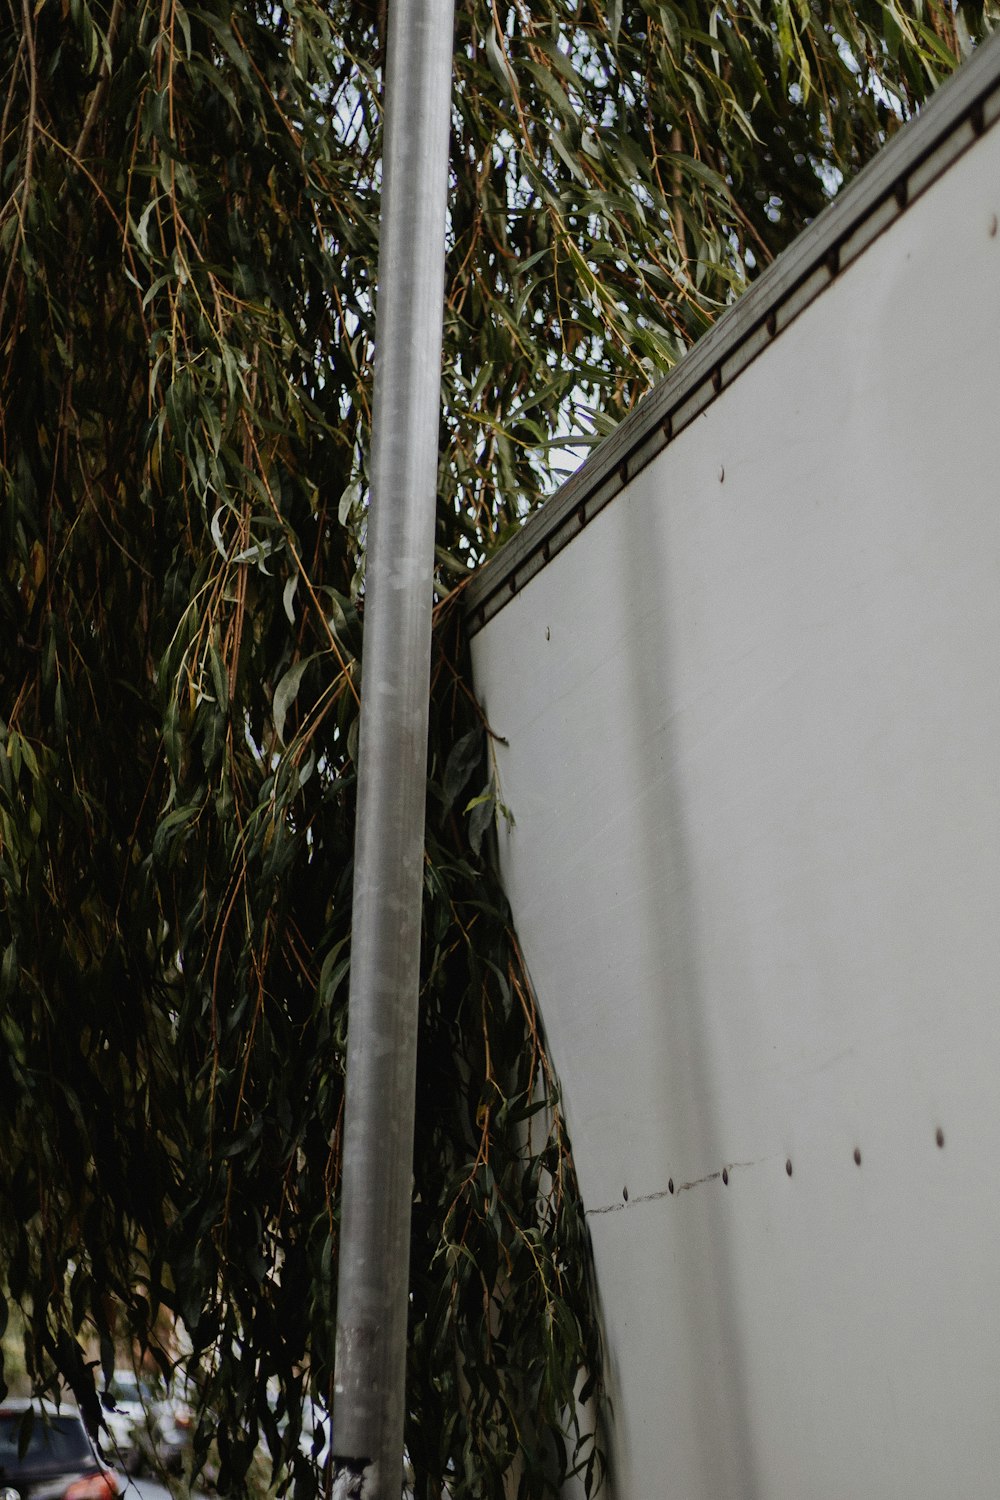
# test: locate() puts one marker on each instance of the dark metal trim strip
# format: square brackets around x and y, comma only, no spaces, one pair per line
[966,106]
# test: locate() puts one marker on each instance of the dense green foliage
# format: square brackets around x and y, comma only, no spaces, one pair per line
[188,243]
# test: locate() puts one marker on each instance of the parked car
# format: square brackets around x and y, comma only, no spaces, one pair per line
[146,1428]
[46,1454]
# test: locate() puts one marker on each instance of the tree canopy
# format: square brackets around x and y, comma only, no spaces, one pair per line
[189,205]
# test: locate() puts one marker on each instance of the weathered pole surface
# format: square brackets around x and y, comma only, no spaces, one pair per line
[373,1286]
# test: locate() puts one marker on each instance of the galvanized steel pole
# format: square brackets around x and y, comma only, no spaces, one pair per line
[373,1283]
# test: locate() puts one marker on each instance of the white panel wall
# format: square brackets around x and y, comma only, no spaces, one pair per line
[753,715]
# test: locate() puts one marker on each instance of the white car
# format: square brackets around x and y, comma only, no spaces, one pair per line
[144,1429]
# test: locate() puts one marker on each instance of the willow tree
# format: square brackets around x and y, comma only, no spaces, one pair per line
[188,239]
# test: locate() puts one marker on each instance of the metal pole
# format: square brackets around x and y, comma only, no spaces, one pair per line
[373,1284]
